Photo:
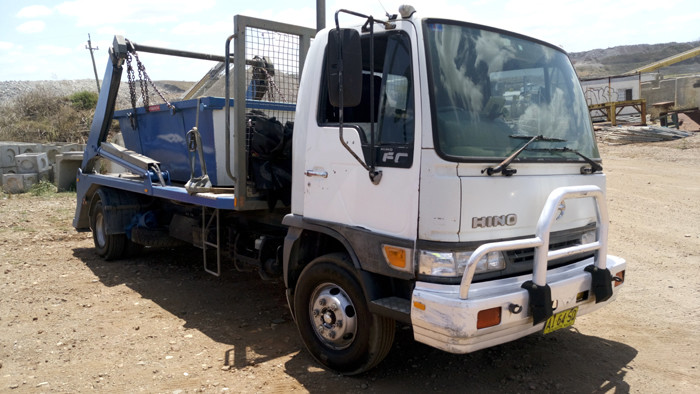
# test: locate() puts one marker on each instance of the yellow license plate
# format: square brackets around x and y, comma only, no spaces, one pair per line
[560,320]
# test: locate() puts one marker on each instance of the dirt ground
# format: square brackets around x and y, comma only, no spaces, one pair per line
[70,322]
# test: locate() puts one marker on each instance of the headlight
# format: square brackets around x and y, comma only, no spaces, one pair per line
[454,263]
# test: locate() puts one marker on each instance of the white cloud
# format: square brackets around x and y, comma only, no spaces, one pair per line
[4,45]
[54,50]
[97,13]
[111,31]
[34,11]
[31,27]
[191,28]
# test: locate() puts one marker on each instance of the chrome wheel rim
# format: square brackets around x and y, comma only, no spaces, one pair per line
[333,316]
[100,235]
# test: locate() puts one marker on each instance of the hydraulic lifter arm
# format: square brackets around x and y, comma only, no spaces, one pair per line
[105,103]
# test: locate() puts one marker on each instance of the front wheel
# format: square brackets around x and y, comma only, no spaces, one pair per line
[333,318]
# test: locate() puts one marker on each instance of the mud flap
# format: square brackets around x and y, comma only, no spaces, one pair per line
[540,301]
[601,283]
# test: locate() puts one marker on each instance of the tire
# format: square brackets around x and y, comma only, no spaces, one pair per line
[108,246]
[334,320]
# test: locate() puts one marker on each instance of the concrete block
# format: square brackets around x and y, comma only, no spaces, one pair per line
[70,147]
[51,151]
[55,149]
[28,163]
[27,147]
[6,170]
[18,183]
[8,151]
[66,169]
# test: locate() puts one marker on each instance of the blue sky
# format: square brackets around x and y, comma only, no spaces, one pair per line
[45,40]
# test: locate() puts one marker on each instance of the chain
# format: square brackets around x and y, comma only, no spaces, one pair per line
[132,81]
[144,80]
[271,80]
[269,77]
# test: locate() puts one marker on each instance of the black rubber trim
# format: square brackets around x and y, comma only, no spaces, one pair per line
[540,301]
[601,283]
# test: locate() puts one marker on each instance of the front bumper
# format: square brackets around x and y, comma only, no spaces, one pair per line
[442,319]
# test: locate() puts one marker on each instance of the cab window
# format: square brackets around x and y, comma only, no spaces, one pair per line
[393,99]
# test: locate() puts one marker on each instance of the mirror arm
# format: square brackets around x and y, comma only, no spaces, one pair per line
[374,175]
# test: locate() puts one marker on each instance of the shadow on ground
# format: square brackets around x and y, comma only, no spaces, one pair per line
[250,316]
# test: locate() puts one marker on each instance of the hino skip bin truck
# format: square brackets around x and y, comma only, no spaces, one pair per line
[437,173]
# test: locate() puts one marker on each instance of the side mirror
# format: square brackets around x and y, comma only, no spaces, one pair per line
[344,53]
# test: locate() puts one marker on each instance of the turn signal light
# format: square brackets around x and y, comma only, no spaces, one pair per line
[395,256]
[488,318]
[398,258]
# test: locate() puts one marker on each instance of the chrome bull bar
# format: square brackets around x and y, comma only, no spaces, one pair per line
[553,209]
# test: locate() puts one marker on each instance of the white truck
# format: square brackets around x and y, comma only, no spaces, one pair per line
[441,174]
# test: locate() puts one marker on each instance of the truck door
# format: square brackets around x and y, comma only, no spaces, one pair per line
[336,187]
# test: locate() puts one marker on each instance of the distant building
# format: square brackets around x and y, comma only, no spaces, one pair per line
[614,88]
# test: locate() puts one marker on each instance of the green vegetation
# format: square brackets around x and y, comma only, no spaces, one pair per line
[84,100]
[41,116]
[43,188]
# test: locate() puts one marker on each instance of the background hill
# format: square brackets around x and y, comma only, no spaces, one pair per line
[41,111]
[618,60]
[594,63]
[11,90]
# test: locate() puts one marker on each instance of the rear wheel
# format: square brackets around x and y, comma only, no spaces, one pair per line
[334,320]
[109,246]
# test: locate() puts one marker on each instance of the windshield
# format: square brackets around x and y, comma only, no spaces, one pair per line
[489,89]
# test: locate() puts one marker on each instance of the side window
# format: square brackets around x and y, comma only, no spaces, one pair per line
[396,108]
[393,102]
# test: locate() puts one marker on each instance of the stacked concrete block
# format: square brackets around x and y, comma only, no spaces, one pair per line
[29,169]
[8,151]
[66,169]
[26,147]
[3,171]
[18,183]
[51,151]
[28,163]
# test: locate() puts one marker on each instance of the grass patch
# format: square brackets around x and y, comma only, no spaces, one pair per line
[42,189]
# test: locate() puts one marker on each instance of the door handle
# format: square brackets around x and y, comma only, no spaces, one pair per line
[322,174]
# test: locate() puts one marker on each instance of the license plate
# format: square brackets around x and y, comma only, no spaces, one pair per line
[560,320]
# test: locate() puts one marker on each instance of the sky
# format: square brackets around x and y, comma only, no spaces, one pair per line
[46,40]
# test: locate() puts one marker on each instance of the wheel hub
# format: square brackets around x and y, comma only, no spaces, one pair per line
[333,316]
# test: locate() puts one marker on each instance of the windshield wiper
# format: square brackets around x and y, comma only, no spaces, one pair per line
[502,167]
[595,167]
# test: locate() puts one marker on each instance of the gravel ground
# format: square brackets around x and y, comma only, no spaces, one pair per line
[70,322]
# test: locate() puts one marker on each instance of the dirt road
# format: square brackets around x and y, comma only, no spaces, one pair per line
[70,322]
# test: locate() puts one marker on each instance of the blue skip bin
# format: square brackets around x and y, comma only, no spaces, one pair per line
[159,133]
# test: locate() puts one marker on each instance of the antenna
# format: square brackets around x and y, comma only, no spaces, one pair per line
[94,68]
[384,8]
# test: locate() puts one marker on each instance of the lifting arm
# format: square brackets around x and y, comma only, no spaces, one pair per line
[105,103]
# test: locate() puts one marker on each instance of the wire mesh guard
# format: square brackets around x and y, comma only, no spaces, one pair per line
[267,72]
[272,71]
